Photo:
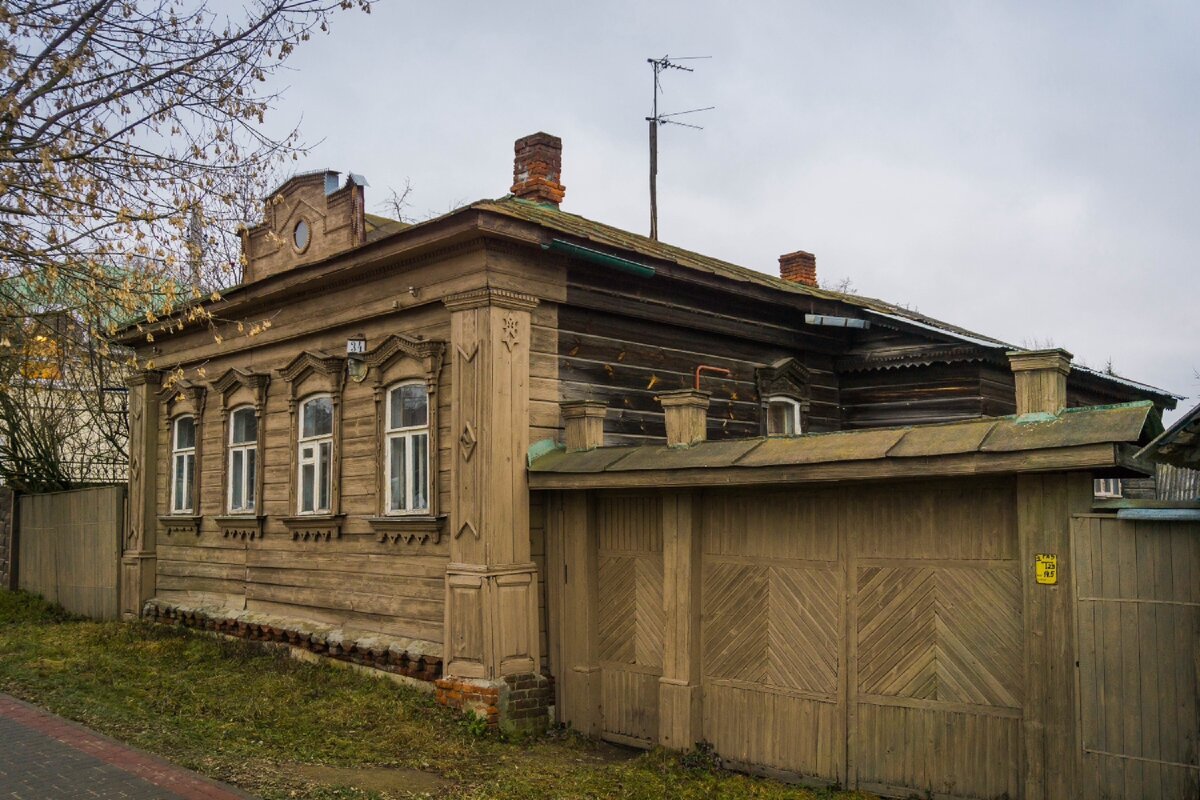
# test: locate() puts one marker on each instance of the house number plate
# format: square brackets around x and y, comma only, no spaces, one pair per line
[1046,568]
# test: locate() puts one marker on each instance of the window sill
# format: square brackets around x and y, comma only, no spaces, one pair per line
[180,523]
[314,527]
[409,528]
[240,526]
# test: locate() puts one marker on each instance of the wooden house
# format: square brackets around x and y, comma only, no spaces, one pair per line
[380,475]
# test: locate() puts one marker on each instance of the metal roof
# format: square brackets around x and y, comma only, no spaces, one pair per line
[1178,445]
[1023,436]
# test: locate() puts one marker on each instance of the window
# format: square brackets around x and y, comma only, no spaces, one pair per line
[407,449]
[183,464]
[1106,487]
[243,452]
[783,416]
[316,455]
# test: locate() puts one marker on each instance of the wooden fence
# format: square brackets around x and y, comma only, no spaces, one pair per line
[70,548]
[1138,631]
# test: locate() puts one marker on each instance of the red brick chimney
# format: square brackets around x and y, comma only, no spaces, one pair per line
[798,267]
[536,169]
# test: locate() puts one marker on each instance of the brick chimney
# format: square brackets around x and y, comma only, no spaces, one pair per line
[537,167]
[1041,379]
[798,267]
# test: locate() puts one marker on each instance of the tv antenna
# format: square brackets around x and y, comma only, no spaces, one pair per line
[660,65]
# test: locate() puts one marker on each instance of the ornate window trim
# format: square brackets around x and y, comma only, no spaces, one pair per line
[401,359]
[238,388]
[785,379]
[308,375]
[179,399]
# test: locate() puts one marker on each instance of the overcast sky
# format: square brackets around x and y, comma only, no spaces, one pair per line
[1026,170]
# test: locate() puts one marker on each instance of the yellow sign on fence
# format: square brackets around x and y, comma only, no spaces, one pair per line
[1046,568]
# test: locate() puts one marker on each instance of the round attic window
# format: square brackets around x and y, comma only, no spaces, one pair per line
[301,235]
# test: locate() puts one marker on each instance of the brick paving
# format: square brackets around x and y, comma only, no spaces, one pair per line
[44,757]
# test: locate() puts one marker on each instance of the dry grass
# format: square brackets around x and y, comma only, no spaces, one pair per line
[282,728]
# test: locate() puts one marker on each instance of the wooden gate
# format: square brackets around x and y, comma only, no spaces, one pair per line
[70,548]
[1138,631]
[843,626]
[630,615]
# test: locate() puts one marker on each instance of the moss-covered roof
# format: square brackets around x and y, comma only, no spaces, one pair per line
[998,436]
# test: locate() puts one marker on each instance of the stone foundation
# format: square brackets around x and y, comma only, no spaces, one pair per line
[515,703]
[414,659]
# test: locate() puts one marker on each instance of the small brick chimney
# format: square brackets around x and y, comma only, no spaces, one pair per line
[537,167]
[798,267]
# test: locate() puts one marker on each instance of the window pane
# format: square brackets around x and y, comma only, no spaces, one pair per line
[235,477]
[245,426]
[318,417]
[185,433]
[250,454]
[324,473]
[178,505]
[306,487]
[189,480]
[396,475]
[409,407]
[420,472]
[781,418]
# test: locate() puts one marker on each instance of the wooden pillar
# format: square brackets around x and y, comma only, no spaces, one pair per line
[491,593]
[1041,380]
[138,554]
[580,670]
[680,712]
[1045,504]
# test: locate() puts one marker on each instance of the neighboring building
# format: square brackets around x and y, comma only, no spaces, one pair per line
[353,478]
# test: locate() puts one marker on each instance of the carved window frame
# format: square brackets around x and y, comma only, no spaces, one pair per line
[239,389]
[180,399]
[307,376]
[786,379]
[397,360]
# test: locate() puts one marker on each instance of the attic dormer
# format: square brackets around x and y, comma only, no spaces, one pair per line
[307,219]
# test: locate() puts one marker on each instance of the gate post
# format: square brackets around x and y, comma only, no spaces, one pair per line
[1045,504]
[138,556]
[680,699]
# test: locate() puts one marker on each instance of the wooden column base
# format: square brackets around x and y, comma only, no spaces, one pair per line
[138,572]
[679,714]
[491,620]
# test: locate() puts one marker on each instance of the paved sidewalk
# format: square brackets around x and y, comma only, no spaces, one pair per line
[44,757]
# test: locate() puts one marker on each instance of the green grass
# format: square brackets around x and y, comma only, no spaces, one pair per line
[244,714]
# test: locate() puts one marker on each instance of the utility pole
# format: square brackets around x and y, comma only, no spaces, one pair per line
[656,119]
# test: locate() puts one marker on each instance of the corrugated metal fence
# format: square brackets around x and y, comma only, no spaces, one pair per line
[70,548]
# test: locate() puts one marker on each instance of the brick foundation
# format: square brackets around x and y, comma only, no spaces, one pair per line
[516,703]
[376,652]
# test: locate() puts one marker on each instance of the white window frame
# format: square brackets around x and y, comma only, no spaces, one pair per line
[186,455]
[245,450]
[1107,488]
[315,441]
[797,414]
[408,434]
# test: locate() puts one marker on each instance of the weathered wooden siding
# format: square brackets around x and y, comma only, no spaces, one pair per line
[911,395]
[70,548]
[627,362]
[1138,628]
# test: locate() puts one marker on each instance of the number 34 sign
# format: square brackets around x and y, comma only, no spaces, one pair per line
[1045,568]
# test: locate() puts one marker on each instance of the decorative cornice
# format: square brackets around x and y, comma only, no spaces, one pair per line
[400,345]
[185,389]
[235,378]
[148,377]
[308,361]
[490,296]
[787,377]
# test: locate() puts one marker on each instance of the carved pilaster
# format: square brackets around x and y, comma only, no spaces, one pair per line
[491,601]
[138,556]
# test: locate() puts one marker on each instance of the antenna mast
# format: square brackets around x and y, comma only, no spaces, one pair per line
[659,65]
